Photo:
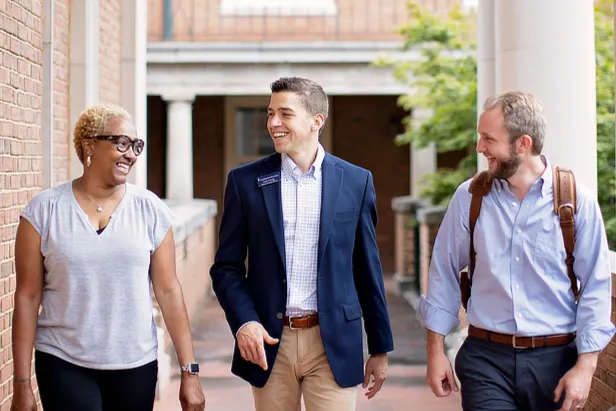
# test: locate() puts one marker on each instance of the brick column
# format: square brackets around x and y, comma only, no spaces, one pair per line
[407,244]
[429,219]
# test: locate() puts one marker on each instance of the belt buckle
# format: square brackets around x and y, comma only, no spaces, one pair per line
[291,317]
[532,344]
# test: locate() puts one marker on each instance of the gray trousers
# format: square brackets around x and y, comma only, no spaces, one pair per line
[496,377]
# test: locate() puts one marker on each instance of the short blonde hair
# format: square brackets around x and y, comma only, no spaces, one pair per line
[95,121]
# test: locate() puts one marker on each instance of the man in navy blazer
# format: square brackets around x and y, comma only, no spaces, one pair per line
[297,266]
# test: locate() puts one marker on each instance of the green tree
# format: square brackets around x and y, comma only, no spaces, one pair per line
[606,137]
[444,81]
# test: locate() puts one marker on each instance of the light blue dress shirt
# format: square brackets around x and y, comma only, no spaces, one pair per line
[520,284]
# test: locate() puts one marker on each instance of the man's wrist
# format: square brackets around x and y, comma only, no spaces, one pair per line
[21,380]
[587,360]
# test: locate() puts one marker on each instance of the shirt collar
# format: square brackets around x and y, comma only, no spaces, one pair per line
[545,179]
[289,166]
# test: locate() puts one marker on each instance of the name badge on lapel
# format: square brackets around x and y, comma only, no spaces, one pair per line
[268,179]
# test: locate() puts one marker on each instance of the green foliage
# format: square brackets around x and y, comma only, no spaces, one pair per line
[606,136]
[444,82]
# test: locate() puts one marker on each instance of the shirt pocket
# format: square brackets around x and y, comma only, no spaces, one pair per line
[549,254]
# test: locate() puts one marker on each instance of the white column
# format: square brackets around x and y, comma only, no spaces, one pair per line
[485,61]
[179,146]
[84,79]
[423,160]
[134,97]
[547,48]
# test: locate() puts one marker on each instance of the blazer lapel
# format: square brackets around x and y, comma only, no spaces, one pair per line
[269,181]
[332,181]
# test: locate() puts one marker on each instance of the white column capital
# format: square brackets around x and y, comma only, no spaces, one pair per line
[179,96]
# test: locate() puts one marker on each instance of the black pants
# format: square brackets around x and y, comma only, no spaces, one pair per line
[64,386]
[499,377]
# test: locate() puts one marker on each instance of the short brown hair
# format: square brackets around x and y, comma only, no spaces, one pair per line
[523,115]
[312,96]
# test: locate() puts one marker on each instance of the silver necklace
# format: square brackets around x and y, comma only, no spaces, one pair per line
[98,207]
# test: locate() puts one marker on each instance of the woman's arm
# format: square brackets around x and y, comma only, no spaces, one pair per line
[28,294]
[169,295]
[171,301]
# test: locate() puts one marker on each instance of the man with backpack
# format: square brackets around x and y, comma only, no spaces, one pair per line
[537,255]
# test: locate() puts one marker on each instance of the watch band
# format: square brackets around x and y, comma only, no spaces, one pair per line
[190,368]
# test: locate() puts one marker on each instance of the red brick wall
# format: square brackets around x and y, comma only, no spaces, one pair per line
[110,50]
[20,147]
[62,128]
[200,20]
[21,73]
[603,391]
[363,134]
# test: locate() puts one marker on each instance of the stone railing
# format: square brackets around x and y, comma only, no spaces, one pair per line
[429,219]
[195,243]
[407,246]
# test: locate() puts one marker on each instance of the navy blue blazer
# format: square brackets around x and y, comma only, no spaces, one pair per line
[349,274]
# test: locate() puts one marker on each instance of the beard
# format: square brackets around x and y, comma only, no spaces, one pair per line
[508,166]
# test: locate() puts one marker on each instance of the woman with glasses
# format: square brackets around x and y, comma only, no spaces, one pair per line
[87,251]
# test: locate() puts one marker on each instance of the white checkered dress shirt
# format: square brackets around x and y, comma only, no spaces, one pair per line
[301,211]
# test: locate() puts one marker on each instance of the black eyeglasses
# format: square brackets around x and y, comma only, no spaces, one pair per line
[123,142]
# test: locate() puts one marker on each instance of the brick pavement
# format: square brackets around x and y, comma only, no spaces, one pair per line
[405,388]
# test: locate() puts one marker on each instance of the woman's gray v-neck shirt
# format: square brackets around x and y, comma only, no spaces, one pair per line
[97,305]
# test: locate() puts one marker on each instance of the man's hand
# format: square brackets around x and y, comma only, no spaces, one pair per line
[439,375]
[250,340]
[376,367]
[191,394]
[23,397]
[576,385]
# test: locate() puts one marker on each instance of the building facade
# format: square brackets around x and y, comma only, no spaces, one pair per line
[210,63]
[58,57]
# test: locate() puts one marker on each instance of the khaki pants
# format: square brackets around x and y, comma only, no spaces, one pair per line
[301,368]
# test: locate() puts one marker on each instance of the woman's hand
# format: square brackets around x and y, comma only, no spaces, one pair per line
[191,394]
[23,397]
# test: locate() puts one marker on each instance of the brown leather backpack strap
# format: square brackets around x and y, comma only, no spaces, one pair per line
[480,186]
[565,208]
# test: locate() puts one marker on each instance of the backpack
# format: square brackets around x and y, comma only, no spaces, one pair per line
[564,208]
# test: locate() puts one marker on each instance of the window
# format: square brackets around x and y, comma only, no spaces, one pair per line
[278,7]
[251,135]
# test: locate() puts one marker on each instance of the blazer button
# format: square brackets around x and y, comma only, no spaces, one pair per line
[279,316]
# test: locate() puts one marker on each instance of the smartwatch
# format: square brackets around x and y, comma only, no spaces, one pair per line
[191,368]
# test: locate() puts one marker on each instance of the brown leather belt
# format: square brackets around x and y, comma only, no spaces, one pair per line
[521,342]
[301,321]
